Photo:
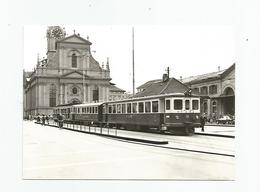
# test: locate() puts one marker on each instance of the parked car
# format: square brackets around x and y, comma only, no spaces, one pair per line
[226,119]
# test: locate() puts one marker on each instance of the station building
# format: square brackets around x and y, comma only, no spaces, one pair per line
[217,90]
[69,74]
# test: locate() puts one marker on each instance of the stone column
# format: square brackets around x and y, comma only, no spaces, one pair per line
[65,93]
[61,94]
[85,95]
[89,94]
[100,94]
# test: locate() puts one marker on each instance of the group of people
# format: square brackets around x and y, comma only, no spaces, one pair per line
[43,119]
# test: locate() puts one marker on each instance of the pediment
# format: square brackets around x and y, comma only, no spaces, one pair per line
[73,74]
[75,39]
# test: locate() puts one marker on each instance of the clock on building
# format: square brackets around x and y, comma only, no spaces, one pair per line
[57,33]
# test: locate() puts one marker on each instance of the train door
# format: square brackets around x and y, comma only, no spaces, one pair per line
[100,113]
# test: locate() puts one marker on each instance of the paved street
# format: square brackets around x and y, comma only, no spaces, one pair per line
[52,153]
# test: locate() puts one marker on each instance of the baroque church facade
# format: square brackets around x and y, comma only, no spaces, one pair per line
[68,75]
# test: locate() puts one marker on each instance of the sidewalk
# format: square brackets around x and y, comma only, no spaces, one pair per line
[218,130]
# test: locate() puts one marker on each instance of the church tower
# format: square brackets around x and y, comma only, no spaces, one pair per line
[54,33]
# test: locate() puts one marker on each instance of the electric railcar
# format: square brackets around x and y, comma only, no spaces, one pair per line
[175,113]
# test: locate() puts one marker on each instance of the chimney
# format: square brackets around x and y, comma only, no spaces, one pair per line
[165,77]
[218,68]
[180,78]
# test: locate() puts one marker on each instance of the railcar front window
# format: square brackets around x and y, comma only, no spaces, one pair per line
[128,107]
[168,104]
[177,104]
[114,108]
[118,108]
[123,108]
[110,109]
[141,107]
[134,107]
[148,107]
[195,104]
[187,104]
[155,106]
[96,110]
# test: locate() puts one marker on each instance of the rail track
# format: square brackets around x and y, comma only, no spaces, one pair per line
[146,142]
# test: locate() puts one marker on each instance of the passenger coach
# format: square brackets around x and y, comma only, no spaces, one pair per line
[175,113]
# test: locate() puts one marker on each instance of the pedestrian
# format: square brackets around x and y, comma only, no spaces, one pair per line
[60,120]
[43,119]
[47,119]
[38,119]
[202,122]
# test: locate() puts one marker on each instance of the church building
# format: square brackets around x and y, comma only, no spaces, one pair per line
[69,74]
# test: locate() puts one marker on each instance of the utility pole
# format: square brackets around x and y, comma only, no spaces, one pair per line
[133,62]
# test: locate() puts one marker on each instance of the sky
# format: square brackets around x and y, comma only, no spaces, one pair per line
[186,50]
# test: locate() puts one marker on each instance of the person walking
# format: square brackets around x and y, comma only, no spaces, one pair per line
[60,121]
[43,119]
[202,122]
[47,119]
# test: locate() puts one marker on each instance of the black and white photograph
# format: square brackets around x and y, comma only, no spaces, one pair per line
[127,95]
[136,110]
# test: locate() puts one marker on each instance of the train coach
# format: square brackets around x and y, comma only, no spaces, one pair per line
[175,113]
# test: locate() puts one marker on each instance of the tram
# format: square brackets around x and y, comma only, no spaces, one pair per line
[174,113]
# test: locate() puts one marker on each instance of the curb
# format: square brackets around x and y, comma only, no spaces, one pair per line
[215,135]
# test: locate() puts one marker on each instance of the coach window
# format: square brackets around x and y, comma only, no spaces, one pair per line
[168,104]
[110,109]
[195,104]
[187,104]
[128,107]
[177,104]
[96,111]
[155,106]
[92,109]
[147,107]
[118,108]
[104,109]
[78,110]
[84,110]
[123,108]
[114,108]
[141,107]
[134,105]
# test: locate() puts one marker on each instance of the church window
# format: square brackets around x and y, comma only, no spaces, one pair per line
[52,98]
[74,60]
[95,95]
[74,90]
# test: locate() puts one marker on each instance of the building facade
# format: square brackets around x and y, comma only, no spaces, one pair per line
[217,90]
[69,74]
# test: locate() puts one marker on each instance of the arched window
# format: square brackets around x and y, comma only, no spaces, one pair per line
[74,60]
[95,94]
[214,107]
[52,96]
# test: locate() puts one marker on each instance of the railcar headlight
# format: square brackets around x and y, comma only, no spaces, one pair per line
[187,116]
[177,117]
[197,117]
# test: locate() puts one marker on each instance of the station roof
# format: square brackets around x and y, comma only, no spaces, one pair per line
[207,76]
[159,87]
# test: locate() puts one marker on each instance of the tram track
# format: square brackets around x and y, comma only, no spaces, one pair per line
[142,141]
[177,148]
